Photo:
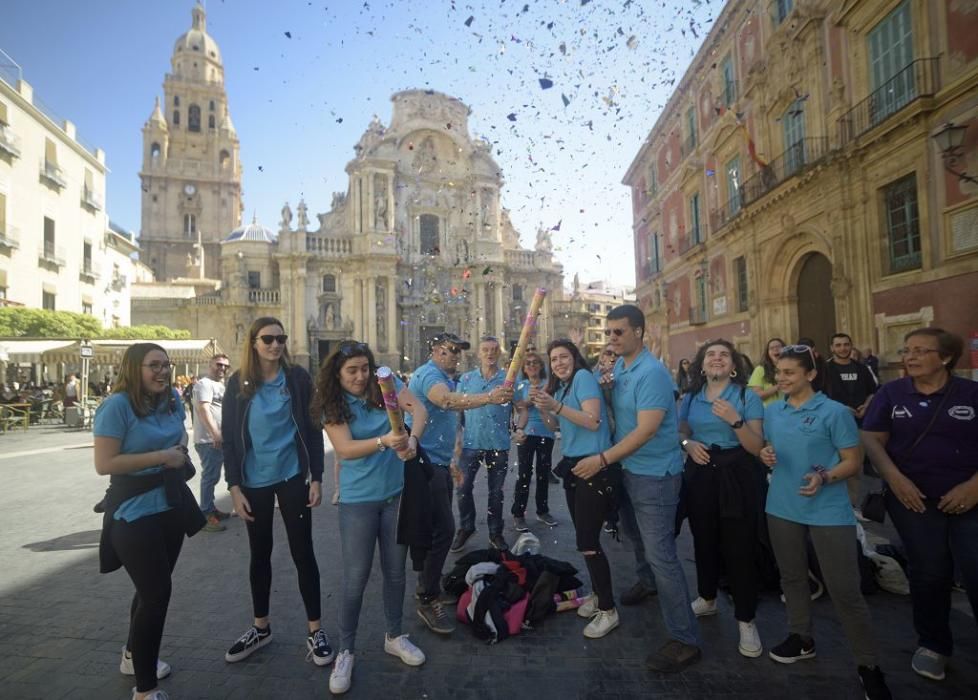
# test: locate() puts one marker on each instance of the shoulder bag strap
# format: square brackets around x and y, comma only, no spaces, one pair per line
[933,418]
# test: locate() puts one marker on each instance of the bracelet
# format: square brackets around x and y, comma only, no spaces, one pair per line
[823,473]
[560,408]
[604,462]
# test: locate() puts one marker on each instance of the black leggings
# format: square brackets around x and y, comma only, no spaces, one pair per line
[542,448]
[148,549]
[590,502]
[293,500]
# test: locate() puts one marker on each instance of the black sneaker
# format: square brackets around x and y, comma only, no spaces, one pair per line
[248,643]
[461,537]
[793,649]
[436,617]
[636,594]
[673,657]
[497,542]
[873,684]
[319,649]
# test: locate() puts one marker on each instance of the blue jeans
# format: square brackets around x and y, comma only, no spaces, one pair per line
[497,462]
[211,460]
[629,527]
[361,526]
[935,543]
[653,501]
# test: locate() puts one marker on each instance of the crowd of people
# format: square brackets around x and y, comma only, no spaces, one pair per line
[737,450]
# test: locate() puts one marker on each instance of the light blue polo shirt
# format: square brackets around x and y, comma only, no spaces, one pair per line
[486,427]
[803,437]
[713,430]
[377,476]
[160,430]
[273,456]
[576,441]
[534,421]
[439,435]
[647,385]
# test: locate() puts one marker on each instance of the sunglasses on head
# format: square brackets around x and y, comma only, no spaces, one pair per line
[269,339]
[352,347]
[617,332]
[798,350]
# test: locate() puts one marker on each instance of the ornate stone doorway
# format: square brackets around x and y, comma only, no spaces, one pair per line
[816,306]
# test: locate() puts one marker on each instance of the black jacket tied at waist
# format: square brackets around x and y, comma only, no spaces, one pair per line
[122,487]
[734,467]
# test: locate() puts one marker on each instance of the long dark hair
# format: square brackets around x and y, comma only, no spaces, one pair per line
[129,381]
[579,363]
[809,360]
[766,361]
[682,376]
[328,403]
[696,377]
[250,373]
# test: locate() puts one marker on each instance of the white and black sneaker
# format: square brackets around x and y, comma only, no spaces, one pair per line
[319,649]
[248,643]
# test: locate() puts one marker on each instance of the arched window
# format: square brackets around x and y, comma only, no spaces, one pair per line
[210,121]
[329,283]
[429,235]
[211,106]
[193,118]
[176,117]
[154,151]
[190,225]
[225,159]
[176,100]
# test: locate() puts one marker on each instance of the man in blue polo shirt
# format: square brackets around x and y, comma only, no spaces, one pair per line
[647,446]
[434,386]
[486,439]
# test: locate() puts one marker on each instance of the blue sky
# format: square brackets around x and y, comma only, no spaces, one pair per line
[300,103]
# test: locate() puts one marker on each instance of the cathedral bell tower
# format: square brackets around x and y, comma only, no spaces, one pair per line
[191,172]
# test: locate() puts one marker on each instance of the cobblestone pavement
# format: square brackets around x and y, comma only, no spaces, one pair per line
[62,624]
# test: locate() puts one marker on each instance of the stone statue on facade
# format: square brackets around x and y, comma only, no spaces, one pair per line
[425,158]
[302,219]
[545,243]
[380,203]
[286,223]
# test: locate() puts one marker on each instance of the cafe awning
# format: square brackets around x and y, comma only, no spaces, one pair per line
[31,350]
[106,352]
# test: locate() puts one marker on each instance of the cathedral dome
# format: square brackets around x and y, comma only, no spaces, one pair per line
[251,232]
[196,39]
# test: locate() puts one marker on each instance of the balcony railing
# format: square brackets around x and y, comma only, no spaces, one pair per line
[799,156]
[687,243]
[90,199]
[53,174]
[697,315]
[725,213]
[87,273]
[52,256]
[918,79]
[9,141]
[522,259]
[212,299]
[9,238]
[329,247]
[263,296]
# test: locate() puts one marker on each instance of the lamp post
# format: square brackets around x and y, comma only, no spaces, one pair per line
[950,140]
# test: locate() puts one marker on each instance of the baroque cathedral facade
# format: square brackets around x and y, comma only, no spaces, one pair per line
[418,244]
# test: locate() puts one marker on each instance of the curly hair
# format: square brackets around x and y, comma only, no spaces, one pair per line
[328,403]
[697,378]
[579,362]
[767,362]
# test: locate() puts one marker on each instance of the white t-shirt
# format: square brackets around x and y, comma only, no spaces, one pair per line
[210,391]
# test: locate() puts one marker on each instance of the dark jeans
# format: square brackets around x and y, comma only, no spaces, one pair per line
[443,530]
[497,462]
[589,502]
[542,448]
[293,499]
[935,542]
[148,549]
[722,540]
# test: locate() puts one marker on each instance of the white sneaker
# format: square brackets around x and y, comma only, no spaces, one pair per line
[155,695]
[125,667]
[402,648]
[603,622]
[859,515]
[703,607]
[339,679]
[750,640]
[589,607]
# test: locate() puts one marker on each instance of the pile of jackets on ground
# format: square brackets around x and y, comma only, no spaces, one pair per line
[500,594]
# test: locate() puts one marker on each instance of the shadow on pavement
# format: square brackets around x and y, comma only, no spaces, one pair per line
[87,539]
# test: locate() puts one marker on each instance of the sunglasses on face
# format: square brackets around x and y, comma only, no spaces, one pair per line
[269,339]
[455,350]
[352,348]
[158,367]
[617,332]
[533,363]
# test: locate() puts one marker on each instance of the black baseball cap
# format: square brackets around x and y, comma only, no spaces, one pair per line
[442,338]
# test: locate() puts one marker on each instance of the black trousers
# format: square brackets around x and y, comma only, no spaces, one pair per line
[542,449]
[293,499]
[443,530]
[723,509]
[148,549]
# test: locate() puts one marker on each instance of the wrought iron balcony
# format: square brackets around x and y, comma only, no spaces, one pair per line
[51,256]
[697,315]
[918,79]
[9,141]
[87,273]
[799,156]
[9,238]
[53,174]
[687,243]
[90,199]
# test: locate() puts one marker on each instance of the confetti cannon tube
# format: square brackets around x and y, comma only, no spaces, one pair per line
[385,378]
[528,324]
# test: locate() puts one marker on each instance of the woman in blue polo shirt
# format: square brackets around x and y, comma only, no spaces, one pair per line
[140,436]
[573,402]
[813,447]
[351,407]
[921,433]
[533,440]
[720,429]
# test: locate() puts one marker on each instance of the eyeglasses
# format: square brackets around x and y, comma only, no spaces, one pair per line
[454,349]
[159,367]
[221,365]
[915,352]
[618,332]
[530,363]
[352,347]
[269,339]
[798,350]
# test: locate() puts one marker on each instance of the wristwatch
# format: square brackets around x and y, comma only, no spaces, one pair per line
[684,442]
[380,445]
[738,425]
